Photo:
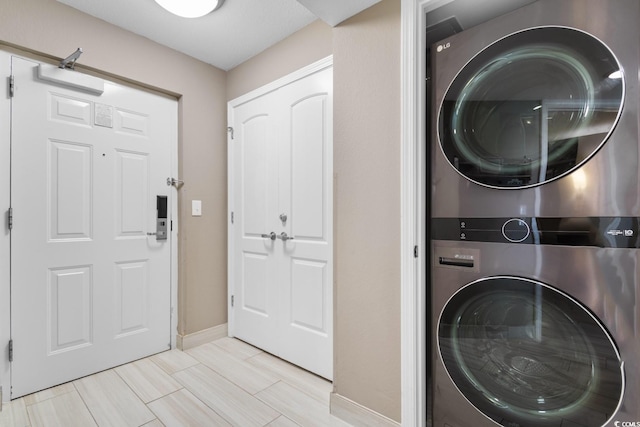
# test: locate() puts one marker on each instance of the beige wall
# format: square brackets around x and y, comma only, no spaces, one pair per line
[366,57]
[51,28]
[302,48]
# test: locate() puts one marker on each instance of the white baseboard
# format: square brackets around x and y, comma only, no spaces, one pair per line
[357,415]
[185,342]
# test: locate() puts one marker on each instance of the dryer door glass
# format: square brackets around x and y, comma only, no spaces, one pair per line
[526,354]
[531,107]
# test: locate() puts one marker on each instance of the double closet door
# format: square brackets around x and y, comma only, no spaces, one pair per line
[281,231]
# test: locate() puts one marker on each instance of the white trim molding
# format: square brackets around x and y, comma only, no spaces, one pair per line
[185,342]
[283,81]
[356,414]
[5,242]
[414,213]
[412,294]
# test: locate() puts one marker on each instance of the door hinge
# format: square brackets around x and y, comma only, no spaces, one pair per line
[10,218]
[415,251]
[171,225]
[232,301]
[232,217]
[12,86]
[10,350]
[230,130]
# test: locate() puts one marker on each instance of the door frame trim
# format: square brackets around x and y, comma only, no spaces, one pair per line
[256,93]
[5,236]
[413,298]
[6,54]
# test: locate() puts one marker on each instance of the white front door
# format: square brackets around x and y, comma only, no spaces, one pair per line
[282,183]
[90,289]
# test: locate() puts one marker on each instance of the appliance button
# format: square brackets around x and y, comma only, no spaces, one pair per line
[516,230]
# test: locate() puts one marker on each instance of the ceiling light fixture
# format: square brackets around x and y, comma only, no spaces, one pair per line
[190,8]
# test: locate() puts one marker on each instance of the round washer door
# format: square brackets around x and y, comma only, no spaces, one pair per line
[531,107]
[528,355]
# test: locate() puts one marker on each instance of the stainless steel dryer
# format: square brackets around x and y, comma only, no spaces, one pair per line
[537,113]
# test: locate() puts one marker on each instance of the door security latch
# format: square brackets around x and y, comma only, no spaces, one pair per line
[161,218]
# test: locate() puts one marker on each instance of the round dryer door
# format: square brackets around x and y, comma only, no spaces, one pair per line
[526,354]
[531,107]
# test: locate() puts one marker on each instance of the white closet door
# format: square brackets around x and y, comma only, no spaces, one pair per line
[89,288]
[282,181]
[255,178]
[306,195]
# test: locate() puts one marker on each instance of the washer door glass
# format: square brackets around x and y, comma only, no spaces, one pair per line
[526,354]
[531,107]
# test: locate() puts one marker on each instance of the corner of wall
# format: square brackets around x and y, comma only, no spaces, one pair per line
[185,342]
[357,415]
[306,46]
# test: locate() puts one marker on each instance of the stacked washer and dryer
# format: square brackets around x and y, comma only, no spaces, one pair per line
[535,208]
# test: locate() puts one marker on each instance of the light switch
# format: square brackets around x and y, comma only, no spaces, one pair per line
[196,208]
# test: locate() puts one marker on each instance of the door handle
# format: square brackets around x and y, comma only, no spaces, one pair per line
[283,236]
[271,236]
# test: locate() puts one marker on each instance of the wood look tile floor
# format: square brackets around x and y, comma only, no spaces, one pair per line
[224,383]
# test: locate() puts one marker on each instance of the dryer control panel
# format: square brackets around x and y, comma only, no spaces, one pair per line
[604,232]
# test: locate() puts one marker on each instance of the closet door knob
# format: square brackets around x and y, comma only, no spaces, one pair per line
[283,236]
[271,236]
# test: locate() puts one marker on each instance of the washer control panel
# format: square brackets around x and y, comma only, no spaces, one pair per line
[516,230]
[505,230]
[603,232]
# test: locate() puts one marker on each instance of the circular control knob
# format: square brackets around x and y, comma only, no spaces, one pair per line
[515,230]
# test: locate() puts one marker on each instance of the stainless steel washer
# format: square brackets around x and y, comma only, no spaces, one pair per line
[536,322]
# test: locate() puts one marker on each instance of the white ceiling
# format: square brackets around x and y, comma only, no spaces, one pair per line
[237,31]
[334,12]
